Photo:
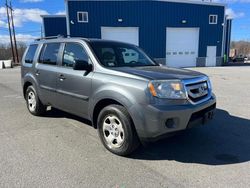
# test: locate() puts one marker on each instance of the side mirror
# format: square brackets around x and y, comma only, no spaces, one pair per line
[83,65]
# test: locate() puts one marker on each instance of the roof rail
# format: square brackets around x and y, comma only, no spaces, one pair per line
[50,37]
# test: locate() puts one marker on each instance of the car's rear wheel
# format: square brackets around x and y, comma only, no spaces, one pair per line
[116,130]
[34,104]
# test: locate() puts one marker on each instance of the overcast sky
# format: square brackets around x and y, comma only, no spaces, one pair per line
[28,21]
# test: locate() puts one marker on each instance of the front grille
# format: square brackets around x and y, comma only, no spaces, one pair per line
[197,90]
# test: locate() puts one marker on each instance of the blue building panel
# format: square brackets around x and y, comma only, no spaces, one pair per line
[54,25]
[228,37]
[152,18]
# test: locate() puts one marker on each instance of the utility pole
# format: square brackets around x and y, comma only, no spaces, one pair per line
[14,32]
[10,32]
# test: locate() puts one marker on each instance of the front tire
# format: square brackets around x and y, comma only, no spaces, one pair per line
[116,130]
[34,104]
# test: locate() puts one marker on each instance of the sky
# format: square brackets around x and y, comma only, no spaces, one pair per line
[28,21]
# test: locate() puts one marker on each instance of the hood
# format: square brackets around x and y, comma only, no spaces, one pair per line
[159,72]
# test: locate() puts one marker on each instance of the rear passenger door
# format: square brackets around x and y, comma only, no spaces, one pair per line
[73,86]
[46,72]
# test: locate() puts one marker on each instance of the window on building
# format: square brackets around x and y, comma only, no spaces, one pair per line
[82,17]
[213,19]
[30,54]
[49,54]
[74,53]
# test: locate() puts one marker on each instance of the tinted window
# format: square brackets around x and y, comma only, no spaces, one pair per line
[30,54]
[49,53]
[74,53]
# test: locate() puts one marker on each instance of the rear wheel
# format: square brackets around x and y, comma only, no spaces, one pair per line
[116,130]
[34,104]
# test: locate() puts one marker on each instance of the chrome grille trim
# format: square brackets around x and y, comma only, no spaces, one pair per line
[201,89]
[194,84]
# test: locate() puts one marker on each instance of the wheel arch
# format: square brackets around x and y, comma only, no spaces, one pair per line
[100,105]
[25,87]
[29,80]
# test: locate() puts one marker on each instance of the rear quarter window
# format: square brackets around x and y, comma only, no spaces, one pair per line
[29,57]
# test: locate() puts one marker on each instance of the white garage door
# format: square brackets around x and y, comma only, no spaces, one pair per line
[182,47]
[123,34]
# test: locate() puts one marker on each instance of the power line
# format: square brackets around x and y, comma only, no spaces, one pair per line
[21,31]
[4,31]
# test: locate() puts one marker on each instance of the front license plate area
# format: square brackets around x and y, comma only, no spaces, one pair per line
[207,116]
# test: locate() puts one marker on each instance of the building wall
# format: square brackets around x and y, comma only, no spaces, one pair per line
[152,18]
[228,37]
[54,25]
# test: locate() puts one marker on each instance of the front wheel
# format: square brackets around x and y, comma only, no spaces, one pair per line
[116,130]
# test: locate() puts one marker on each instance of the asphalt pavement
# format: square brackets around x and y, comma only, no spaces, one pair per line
[62,150]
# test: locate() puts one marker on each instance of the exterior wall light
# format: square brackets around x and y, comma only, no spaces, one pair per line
[120,20]
[184,21]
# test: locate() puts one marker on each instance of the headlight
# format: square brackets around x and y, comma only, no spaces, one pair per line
[168,89]
[209,84]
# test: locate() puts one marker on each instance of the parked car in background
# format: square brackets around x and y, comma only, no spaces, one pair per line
[127,96]
[239,58]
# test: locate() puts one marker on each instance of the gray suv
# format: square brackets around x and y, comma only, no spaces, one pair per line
[126,95]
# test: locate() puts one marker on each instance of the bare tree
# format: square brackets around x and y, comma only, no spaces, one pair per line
[5,50]
[242,47]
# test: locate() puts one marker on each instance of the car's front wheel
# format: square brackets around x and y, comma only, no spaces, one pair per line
[34,104]
[116,130]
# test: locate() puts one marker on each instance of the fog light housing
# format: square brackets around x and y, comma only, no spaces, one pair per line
[170,123]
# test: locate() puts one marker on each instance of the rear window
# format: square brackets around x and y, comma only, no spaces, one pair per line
[49,54]
[30,54]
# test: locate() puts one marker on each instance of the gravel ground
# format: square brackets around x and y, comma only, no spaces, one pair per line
[61,150]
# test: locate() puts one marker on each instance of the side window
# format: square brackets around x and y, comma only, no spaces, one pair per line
[49,54]
[30,54]
[108,57]
[74,53]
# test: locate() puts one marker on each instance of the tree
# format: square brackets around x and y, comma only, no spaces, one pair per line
[5,50]
[242,47]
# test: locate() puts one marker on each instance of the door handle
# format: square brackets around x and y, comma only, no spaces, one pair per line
[62,77]
[37,73]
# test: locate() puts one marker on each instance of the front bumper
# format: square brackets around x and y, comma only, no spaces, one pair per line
[153,122]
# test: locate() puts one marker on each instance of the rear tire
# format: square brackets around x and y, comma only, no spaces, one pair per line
[34,104]
[116,130]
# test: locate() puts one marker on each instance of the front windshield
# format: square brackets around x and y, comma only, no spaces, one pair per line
[115,54]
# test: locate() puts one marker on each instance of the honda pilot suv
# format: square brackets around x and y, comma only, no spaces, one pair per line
[128,97]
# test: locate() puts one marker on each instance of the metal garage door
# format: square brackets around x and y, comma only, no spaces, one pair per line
[182,47]
[123,34]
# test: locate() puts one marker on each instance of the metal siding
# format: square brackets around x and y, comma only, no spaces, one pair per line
[54,26]
[152,18]
[228,37]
